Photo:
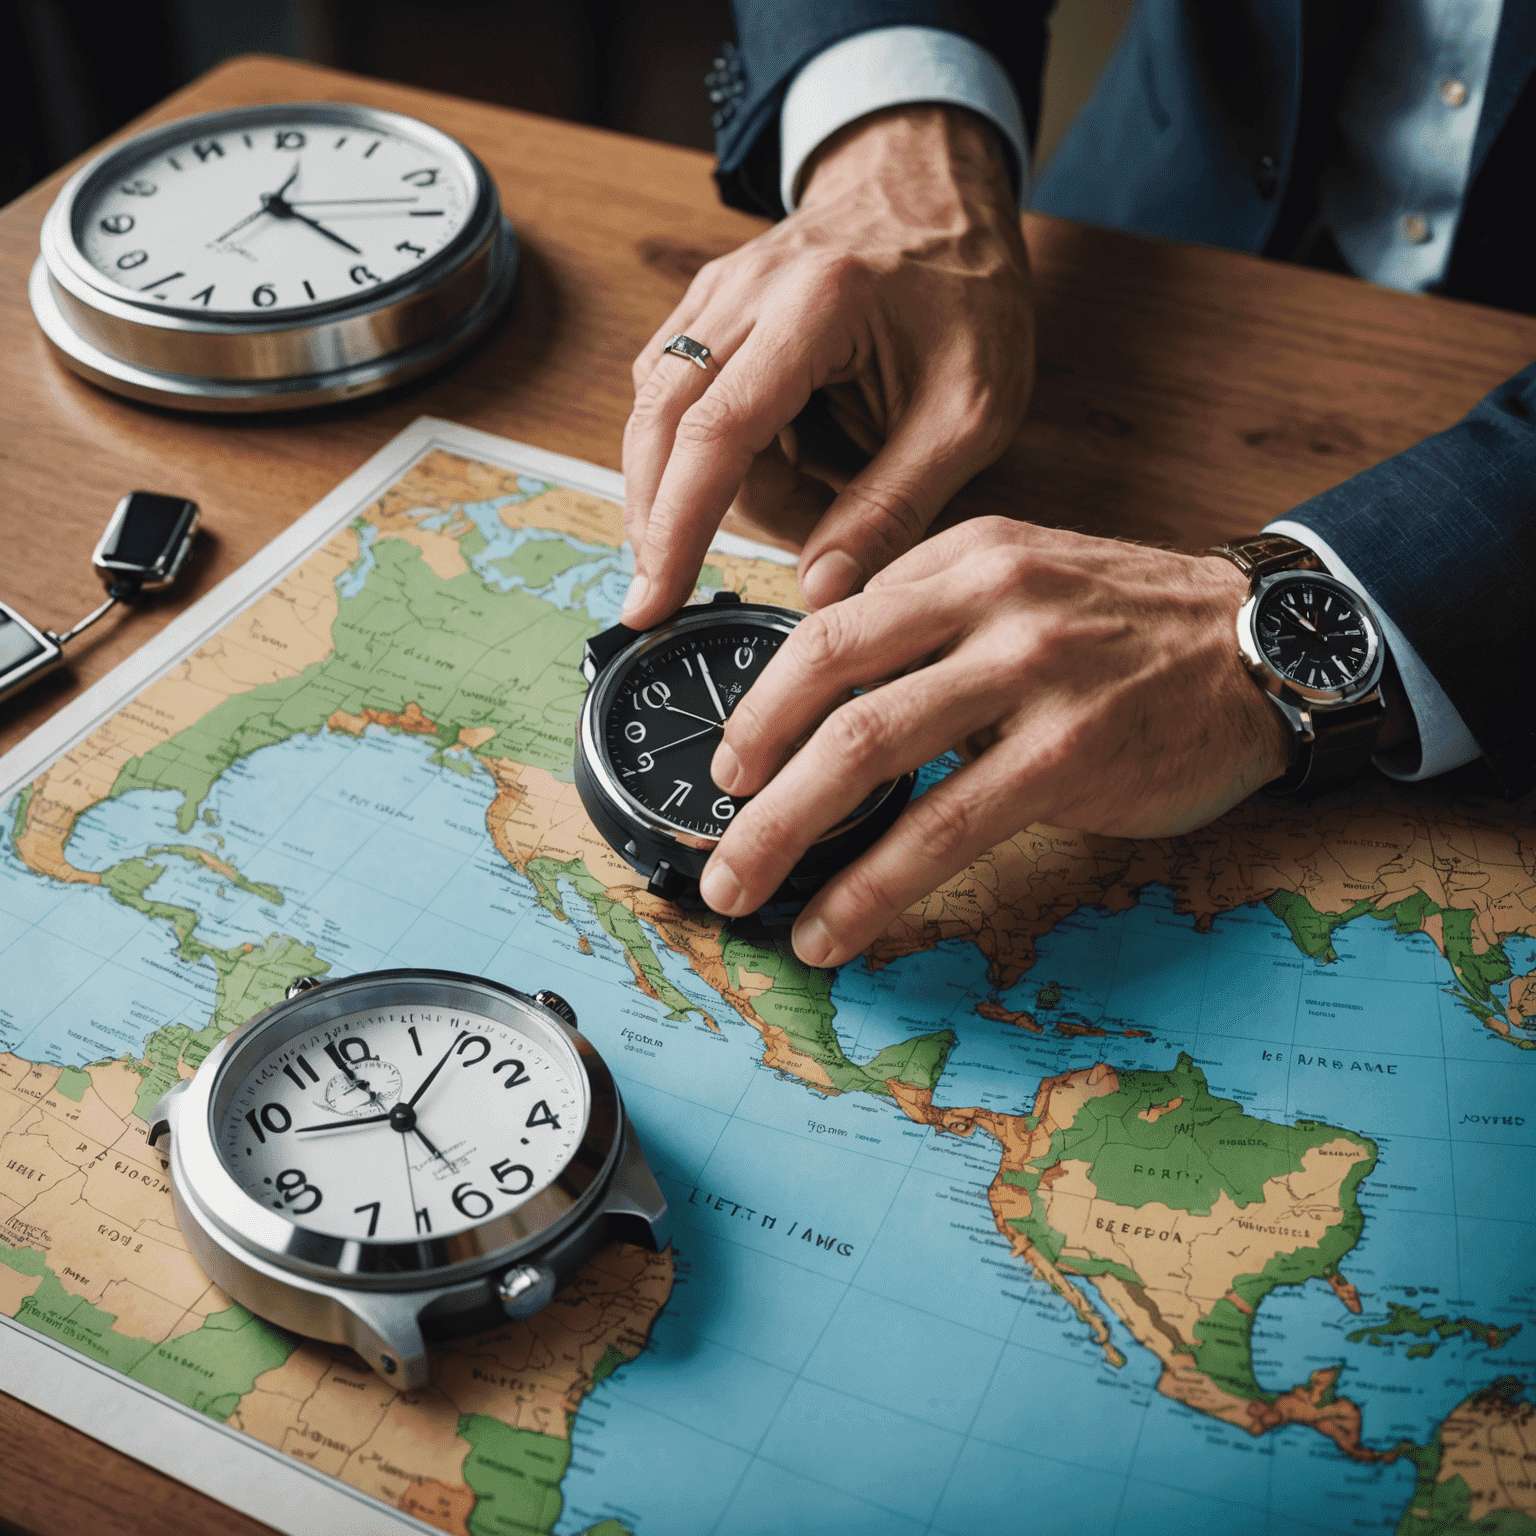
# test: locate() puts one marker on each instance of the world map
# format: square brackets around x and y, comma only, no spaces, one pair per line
[1122,1186]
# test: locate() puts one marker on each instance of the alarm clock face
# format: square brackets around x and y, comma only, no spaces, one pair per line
[401,1124]
[245,214]
[667,712]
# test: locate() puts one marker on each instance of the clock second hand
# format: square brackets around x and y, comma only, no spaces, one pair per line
[267,199]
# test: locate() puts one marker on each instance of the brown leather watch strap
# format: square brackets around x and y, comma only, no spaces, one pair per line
[1267,553]
[1343,741]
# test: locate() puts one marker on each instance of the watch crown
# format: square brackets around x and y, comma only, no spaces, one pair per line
[301,984]
[557,1005]
[526,1289]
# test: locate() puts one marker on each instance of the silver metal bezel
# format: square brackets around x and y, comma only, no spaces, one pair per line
[1284,688]
[200,1175]
[281,358]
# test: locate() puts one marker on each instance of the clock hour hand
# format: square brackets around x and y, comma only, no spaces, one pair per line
[290,212]
[267,200]
[709,682]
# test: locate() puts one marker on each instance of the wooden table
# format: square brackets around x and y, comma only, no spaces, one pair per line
[1184,395]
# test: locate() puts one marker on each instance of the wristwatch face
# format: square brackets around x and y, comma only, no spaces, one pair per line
[1314,632]
[667,714]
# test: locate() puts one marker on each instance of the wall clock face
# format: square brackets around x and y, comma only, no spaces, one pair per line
[276,215]
[271,257]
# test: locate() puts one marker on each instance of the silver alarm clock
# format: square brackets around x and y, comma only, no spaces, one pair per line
[402,1156]
[270,257]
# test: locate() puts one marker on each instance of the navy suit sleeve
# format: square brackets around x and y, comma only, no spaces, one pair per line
[1443,537]
[774,38]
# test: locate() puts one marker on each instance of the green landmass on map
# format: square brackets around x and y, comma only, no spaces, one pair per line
[1200,1148]
[1431,1332]
[539,560]
[466,656]
[1479,970]
[799,1002]
[208,1369]
[515,1475]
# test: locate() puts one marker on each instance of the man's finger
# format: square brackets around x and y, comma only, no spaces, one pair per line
[867,742]
[947,549]
[849,645]
[936,837]
[942,439]
[779,498]
[673,385]
[760,390]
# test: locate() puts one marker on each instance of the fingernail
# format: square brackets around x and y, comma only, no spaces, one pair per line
[720,888]
[832,577]
[813,943]
[634,599]
[725,768]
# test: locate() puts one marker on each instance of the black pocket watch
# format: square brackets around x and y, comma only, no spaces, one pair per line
[649,727]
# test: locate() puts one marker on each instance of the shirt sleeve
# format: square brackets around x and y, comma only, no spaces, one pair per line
[1444,740]
[891,67]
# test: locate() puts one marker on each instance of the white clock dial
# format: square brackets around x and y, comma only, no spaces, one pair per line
[272,216]
[400,1125]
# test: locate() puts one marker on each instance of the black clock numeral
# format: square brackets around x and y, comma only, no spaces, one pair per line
[117,224]
[339,142]
[423,1220]
[416,250]
[360,275]
[138,187]
[273,1117]
[301,1062]
[373,1221]
[540,1115]
[348,1051]
[505,1169]
[293,1187]
[371,148]
[411,1031]
[427,177]
[247,139]
[264,297]
[469,1040]
[518,1074]
[309,292]
[131,259]
[203,294]
[464,1194]
[204,148]
[173,162]
[289,138]
[426,213]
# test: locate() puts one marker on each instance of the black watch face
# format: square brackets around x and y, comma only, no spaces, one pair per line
[665,718]
[1313,633]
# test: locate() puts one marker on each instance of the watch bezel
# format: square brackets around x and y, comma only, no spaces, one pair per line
[211,1193]
[641,818]
[1286,689]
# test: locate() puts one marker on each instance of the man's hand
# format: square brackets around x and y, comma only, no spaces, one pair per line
[1089,683]
[903,274]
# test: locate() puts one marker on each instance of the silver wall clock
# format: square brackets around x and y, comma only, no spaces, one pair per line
[271,257]
[403,1156]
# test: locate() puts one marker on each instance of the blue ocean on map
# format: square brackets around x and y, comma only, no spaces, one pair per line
[906,1372]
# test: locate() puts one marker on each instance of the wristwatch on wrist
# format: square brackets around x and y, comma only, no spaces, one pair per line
[1315,648]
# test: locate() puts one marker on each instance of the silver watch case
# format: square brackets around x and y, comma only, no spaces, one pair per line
[1297,703]
[386,1300]
[283,359]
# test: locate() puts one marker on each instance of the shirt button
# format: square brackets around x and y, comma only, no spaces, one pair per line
[1416,228]
[1453,92]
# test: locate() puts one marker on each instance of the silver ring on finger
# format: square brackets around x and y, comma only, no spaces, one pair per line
[685,346]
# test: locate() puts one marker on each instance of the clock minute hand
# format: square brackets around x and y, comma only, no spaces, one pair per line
[426,1082]
[288,211]
[709,682]
[681,740]
[341,1125]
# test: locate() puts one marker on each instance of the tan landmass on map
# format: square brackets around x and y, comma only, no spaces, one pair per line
[1161,1269]
[1488,1445]
[323,1407]
[275,638]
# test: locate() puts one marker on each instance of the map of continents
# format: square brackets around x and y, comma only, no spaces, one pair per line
[1251,1104]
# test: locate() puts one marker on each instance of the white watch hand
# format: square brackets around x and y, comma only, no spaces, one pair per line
[709,683]
[1298,618]
[700,718]
[656,752]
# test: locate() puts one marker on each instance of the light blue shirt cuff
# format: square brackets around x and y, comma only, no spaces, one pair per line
[892,67]
[1444,740]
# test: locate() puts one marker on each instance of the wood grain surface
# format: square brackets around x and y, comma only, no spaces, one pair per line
[1184,395]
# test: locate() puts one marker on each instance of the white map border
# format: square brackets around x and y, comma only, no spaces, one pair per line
[224,1463]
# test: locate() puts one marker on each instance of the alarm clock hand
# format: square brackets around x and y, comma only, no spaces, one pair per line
[709,682]
[342,1125]
[271,202]
[702,719]
[426,1082]
[290,212]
